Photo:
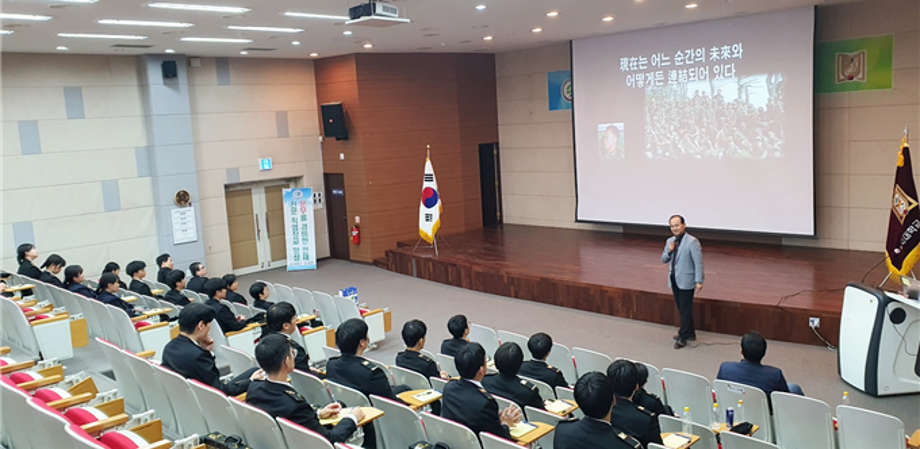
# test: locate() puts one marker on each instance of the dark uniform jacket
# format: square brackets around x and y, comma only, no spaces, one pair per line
[301,357]
[452,346]
[589,433]
[176,297]
[767,378]
[539,370]
[49,278]
[26,268]
[82,290]
[186,358]
[140,288]
[196,284]
[635,420]
[225,317]
[161,274]
[418,362]
[280,400]
[233,296]
[514,388]
[113,300]
[356,372]
[467,404]
[652,402]
[262,304]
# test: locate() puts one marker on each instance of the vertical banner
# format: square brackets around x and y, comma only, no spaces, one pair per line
[559,85]
[298,230]
[854,64]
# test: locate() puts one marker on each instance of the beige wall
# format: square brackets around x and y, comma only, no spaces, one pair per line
[856,134]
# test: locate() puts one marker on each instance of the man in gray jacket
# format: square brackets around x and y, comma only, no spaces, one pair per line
[684,255]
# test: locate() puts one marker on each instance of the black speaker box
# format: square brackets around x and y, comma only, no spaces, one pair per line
[169,69]
[334,121]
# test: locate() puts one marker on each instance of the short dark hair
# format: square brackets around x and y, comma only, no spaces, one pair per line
[162,258]
[255,290]
[195,313]
[677,216]
[194,268]
[753,346]
[349,335]
[214,285]
[623,377]
[594,395]
[229,279]
[641,374]
[71,273]
[111,267]
[271,352]
[413,331]
[508,359]
[469,359]
[134,267]
[457,325]
[173,278]
[539,345]
[278,314]
[105,281]
[22,250]
[55,260]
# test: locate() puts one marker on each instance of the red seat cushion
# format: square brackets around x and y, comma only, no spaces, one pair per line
[363,312]
[39,317]
[122,439]
[3,361]
[81,415]
[50,394]
[77,430]
[141,324]
[24,376]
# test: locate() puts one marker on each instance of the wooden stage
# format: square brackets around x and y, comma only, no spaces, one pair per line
[747,285]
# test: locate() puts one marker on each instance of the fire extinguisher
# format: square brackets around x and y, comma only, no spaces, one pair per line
[355,235]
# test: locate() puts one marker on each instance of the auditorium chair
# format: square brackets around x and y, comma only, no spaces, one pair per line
[375,318]
[543,416]
[546,391]
[47,338]
[156,397]
[301,437]
[331,352]
[16,426]
[259,429]
[328,311]
[400,426]
[414,380]
[732,440]
[486,337]
[437,383]
[306,300]
[801,421]
[54,434]
[685,389]
[569,395]
[446,363]
[708,439]
[313,340]
[385,368]
[138,335]
[861,428]
[311,388]
[511,337]
[587,361]
[442,430]
[350,396]
[220,416]
[490,441]
[561,357]
[124,376]
[653,384]
[286,294]
[756,407]
[189,416]
[243,339]
[239,361]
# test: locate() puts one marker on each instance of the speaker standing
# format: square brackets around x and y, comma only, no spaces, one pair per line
[684,257]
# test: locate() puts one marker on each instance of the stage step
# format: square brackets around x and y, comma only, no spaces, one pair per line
[382,262]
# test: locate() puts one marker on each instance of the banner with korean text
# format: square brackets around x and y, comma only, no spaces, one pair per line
[299,232]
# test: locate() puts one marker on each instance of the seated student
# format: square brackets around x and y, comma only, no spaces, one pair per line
[175,280]
[108,286]
[260,292]
[467,402]
[26,255]
[459,327]
[73,281]
[539,345]
[232,286]
[413,335]
[281,319]
[633,418]
[507,384]
[199,277]
[277,397]
[114,268]
[137,271]
[216,289]
[594,395]
[52,266]
[4,278]
[165,262]
[750,371]
[648,400]
[189,354]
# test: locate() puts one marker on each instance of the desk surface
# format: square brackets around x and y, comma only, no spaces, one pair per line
[572,407]
[409,398]
[725,428]
[530,437]
[693,439]
[18,288]
[370,415]
[904,300]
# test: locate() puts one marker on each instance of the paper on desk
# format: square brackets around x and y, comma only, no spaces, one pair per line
[675,440]
[558,407]
[335,419]
[426,395]
[521,428]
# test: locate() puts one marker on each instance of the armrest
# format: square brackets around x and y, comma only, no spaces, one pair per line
[139,318]
[129,298]
[241,397]
[16,367]
[4,350]
[45,309]
[56,370]
[61,317]
[313,330]
[112,408]
[146,354]
[152,431]
[61,404]
[248,328]
[86,385]
[107,423]
[373,312]
[36,384]
[29,303]
[306,319]
[153,326]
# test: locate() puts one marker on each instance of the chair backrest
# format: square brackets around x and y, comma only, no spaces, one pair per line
[154,393]
[657,446]
[732,440]
[543,416]
[756,407]
[193,296]
[97,314]
[239,360]
[52,425]
[306,300]
[490,441]
[347,308]
[708,439]
[259,428]
[569,394]
[311,388]
[91,283]
[457,436]
[437,383]
[16,425]
[220,340]
[327,309]
[124,327]
[801,422]
[297,436]
[161,286]
[383,367]
[16,325]
[124,376]
[189,417]
[447,364]
[414,380]
[168,305]
[507,336]
[587,360]
[348,395]
[400,426]
[689,390]
[864,428]
[285,294]
[220,415]
[669,423]
[487,337]
[504,403]
[653,383]
[546,391]
[242,309]
[331,352]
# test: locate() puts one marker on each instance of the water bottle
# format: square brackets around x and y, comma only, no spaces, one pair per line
[685,426]
[716,419]
[846,398]
[739,412]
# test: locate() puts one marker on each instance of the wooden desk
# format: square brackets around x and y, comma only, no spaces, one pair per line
[572,407]
[370,415]
[129,298]
[19,288]
[693,439]
[157,311]
[305,319]
[531,437]
[157,291]
[725,428]
[415,404]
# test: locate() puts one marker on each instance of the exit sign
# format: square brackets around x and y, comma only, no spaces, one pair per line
[265,164]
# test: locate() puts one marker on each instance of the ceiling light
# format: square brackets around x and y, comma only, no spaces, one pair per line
[552,14]
[347,32]
[145,23]
[6,32]
[244,52]
[608,19]
[169,50]
[78,1]
[33,17]
[295,43]
[691,5]
[61,48]
[480,7]
[206,8]
[315,16]
[127,37]
[368,45]
[267,29]
[487,38]
[314,54]
[216,39]
[537,30]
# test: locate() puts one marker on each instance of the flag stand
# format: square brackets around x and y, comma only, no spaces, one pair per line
[434,244]
[904,146]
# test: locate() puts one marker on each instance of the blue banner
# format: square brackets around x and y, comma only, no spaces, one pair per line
[298,229]
[559,84]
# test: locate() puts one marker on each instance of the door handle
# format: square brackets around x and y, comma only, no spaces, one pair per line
[258,229]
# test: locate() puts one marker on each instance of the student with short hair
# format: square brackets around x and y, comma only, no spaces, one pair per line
[216,289]
[459,328]
[277,397]
[594,395]
[175,280]
[73,281]
[414,336]
[26,254]
[259,292]
[507,384]
[165,263]
[108,286]
[636,420]
[232,286]
[199,277]
[52,266]
[540,345]
[281,319]
[114,268]
[750,370]
[137,270]
[649,400]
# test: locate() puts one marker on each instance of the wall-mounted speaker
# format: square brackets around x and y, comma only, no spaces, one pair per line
[170,69]
[334,121]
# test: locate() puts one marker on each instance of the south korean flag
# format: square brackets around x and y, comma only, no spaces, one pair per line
[429,209]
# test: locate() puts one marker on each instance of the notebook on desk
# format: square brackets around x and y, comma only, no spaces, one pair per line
[521,428]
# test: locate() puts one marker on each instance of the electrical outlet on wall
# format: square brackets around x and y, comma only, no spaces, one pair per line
[814,322]
[317,200]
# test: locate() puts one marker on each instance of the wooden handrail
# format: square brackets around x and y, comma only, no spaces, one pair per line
[29,303]
[248,328]
[102,424]
[62,317]
[56,370]
[4,350]
[313,330]
[153,326]
[372,312]
[16,367]
[62,404]
[146,354]
[45,309]
[36,384]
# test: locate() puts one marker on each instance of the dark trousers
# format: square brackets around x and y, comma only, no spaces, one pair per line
[684,300]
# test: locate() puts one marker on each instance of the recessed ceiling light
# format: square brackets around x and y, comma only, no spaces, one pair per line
[537,30]
[206,8]
[552,14]
[480,7]
[267,29]
[315,16]
[347,32]
[216,39]
[691,5]
[78,1]
[608,19]
[295,43]
[244,52]
[314,54]
[61,48]
[127,37]
[6,32]
[487,38]
[169,50]
[145,23]
[32,17]
[368,45]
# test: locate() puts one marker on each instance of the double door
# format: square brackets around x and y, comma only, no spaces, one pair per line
[255,216]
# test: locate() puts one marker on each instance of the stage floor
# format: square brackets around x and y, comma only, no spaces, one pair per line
[772,289]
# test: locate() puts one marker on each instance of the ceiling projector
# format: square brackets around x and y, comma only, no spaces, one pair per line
[376,14]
